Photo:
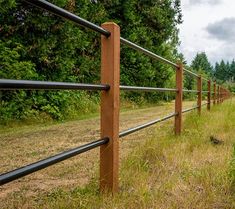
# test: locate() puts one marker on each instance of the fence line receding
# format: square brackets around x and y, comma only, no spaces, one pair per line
[110,94]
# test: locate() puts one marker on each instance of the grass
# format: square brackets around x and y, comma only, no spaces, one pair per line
[159,171]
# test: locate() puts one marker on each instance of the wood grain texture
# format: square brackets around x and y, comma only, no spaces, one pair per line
[199,97]
[209,95]
[179,99]
[110,74]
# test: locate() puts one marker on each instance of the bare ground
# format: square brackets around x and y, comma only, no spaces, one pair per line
[29,144]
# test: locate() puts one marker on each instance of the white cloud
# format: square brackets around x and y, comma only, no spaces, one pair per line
[210,2]
[207,27]
[223,30]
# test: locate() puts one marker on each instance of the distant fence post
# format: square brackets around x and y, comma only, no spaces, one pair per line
[199,98]
[222,94]
[179,99]
[214,95]
[218,94]
[209,95]
[110,74]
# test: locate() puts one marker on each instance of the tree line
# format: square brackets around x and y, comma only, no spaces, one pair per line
[222,72]
[37,45]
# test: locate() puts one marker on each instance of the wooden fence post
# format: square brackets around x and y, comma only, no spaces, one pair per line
[110,74]
[214,95]
[209,96]
[222,94]
[217,96]
[199,98]
[179,99]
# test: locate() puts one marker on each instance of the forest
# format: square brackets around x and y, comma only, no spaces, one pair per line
[36,45]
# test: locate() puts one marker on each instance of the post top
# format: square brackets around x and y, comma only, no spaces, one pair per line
[110,23]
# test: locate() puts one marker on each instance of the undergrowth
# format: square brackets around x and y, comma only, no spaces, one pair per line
[164,171]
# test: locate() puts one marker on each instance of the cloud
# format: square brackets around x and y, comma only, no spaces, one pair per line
[225,52]
[193,3]
[223,30]
[210,2]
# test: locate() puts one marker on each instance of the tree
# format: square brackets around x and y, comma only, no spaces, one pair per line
[57,50]
[221,71]
[201,63]
[232,71]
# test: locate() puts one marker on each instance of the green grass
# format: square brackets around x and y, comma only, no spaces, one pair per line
[163,171]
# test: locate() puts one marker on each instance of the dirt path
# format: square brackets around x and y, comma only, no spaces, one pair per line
[34,143]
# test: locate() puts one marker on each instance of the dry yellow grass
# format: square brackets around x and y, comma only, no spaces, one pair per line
[158,170]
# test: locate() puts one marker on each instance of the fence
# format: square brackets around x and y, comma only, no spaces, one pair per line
[110,88]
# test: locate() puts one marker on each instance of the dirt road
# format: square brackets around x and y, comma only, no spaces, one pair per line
[29,144]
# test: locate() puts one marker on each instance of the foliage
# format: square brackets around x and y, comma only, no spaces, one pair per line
[201,63]
[157,170]
[225,71]
[37,45]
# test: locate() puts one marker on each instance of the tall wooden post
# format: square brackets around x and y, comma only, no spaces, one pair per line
[179,99]
[222,94]
[217,97]
[110,74]
[209,95]
[199,97]
[214,95]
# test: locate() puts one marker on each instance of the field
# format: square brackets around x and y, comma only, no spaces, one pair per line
[158,170]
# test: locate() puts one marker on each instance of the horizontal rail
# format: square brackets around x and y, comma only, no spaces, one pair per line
[189,109]
[137,128]
[31,168]
[145,51]
[191,73]
[68,15]
[205,79]
[7,84]
[204,104]
[190,91]
[137,88]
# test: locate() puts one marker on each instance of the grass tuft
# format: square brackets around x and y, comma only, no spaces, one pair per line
[162,170]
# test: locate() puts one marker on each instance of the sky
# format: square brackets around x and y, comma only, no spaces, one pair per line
[209,26]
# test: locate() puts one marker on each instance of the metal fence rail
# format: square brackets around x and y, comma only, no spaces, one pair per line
[31,168]
[137,128]
[110,74]
[189,109]
[147,52]
[7,84]
[190,91]
[191,73]
[67,15]
[138,88]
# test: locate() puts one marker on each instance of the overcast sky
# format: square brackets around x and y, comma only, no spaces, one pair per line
[209,26]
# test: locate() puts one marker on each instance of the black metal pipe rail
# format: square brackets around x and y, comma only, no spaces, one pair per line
[205,79]
[31,168]
[7,84]
[137,128]
[189,109]
[191,73]
[67,15]
[190,91]
[137,88]
[147,52]
[82,22]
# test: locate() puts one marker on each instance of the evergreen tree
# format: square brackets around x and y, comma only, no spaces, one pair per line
[227,75]
[40,46]
[220,71]
[232,71]
[201,63]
